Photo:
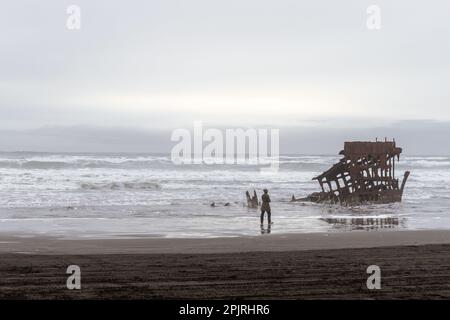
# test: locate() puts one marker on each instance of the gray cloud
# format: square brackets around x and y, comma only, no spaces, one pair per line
[256,62]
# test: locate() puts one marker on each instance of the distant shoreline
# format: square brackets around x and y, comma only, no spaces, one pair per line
[330,154]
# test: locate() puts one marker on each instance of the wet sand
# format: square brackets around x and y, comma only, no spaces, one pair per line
[266,242]
[414,265]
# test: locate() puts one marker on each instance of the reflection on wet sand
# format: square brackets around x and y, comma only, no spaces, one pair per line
[266,231]
[366,223]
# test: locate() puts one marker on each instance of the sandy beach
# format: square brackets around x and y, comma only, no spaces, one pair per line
[414,264]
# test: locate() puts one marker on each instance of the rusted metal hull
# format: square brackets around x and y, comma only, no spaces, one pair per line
[366,174]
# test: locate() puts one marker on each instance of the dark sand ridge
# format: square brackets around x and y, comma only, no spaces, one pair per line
[413,265]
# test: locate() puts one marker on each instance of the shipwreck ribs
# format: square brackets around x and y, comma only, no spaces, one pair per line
[366,174]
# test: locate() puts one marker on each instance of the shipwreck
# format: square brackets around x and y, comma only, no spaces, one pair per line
[365,174]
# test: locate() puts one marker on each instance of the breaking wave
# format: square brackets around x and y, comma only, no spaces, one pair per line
[80,163]
[74,162]
[140,185]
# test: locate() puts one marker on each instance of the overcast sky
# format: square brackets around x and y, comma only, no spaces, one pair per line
[138,69]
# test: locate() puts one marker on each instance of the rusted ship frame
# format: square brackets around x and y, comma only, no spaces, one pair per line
[366,173]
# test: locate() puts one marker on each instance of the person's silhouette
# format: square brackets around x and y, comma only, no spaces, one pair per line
[265,207]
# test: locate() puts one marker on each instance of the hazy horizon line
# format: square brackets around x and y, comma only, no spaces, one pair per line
[168,153]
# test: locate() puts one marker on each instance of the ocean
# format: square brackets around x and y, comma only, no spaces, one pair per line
[73,195]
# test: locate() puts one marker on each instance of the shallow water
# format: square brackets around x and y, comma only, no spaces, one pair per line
[109,195]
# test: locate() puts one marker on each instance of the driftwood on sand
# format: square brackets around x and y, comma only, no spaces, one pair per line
[252,202]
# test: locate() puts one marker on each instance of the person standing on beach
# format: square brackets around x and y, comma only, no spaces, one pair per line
[265,207]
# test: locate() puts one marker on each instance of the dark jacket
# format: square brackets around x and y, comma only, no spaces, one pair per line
[265,202]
